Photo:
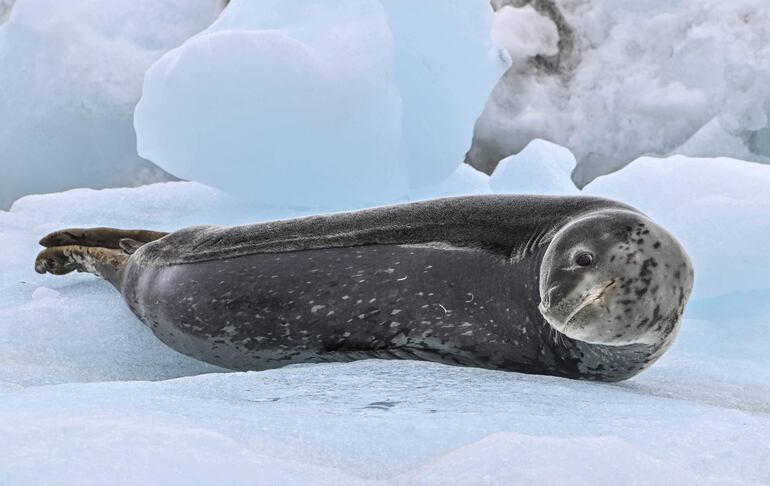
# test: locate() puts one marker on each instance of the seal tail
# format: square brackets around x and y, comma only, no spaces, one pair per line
[100,251]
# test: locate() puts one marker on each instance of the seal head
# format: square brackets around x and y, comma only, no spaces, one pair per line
[616,278]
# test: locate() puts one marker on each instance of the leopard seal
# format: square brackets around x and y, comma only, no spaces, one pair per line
[577,287]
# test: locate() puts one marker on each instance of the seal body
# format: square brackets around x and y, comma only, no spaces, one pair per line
[464,281]
[454,281]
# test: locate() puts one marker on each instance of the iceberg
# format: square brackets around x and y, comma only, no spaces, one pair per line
[625,79]
[274,106]
[72,73]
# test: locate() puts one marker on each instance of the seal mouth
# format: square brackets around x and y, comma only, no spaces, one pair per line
[592,298]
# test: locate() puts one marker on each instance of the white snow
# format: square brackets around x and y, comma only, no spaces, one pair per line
[72,72]
[270,98]
[524,32]
[88,395]
[632,78]
[5,9]
[376,422]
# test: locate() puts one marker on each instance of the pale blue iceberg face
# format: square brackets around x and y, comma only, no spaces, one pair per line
[445,66]
[334,103]
[72,72]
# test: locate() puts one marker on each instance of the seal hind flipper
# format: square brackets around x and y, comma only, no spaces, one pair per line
[98,237]
[61,260]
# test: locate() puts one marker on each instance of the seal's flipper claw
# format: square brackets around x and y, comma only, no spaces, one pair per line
[98,237]
[61,260]
[54,261]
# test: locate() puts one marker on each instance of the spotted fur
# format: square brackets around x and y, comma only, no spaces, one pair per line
[456,280]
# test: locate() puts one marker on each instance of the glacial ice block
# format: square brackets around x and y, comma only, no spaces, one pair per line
[72,72]
[335,103]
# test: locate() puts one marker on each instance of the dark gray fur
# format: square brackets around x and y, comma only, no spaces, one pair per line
[506,226]
[451,280]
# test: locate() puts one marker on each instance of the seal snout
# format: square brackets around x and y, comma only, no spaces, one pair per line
[623,280]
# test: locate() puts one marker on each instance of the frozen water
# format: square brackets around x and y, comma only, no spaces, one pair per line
[445,66]
[376,422]
[88,395]
[5,9]
[541,168]
[464,181]
[524,33]
[270,98]
[72,72]
[631,78]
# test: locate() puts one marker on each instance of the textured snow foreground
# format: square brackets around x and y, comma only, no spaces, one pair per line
[89,396]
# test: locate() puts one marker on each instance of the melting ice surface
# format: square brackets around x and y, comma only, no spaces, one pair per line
[88,395]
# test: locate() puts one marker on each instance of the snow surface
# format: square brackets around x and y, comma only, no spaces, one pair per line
[631,78]
[71,78]
[5,9]
[269,97]
[88,395]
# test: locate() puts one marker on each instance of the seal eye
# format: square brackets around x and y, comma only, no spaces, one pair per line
[584,259]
